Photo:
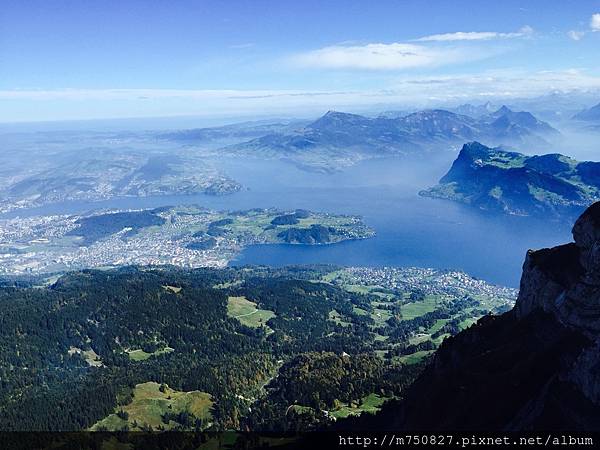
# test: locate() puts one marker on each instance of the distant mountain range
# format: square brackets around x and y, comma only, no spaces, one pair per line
[344,137]
[229,134]
[497,180]
[589,115]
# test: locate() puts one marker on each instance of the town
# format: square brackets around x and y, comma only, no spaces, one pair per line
[182,236]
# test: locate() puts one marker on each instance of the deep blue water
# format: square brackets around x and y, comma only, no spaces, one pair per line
[411,230]
[415,231]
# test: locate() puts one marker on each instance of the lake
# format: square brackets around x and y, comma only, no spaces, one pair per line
[411,230]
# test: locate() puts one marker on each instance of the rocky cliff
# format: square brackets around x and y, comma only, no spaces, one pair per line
[536,367]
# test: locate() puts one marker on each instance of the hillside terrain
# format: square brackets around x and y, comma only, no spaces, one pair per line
[92,167]
[250,348]
[552,186]
[89,166]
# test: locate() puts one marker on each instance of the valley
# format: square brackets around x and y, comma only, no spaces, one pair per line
[275,277]
[314,293]
[299,225]
[94,166]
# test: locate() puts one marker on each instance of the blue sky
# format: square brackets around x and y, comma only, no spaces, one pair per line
[99,59]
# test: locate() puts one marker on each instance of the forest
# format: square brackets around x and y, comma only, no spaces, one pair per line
[75,351]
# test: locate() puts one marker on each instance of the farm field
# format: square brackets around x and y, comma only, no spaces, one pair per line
[370,404]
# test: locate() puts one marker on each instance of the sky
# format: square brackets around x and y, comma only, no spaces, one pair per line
[83,59]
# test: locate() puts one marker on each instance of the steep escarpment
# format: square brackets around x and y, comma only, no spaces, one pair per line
[536,367]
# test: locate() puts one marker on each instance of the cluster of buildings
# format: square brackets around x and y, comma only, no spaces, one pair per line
[428,281]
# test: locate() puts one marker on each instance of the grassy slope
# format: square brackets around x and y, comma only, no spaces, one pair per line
[370,404]
[247,312]
[417,309]
[149,404]
[141,355]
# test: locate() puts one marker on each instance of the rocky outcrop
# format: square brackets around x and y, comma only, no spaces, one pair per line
[565,280]
[536,367]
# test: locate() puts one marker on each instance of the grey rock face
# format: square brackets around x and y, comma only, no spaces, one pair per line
[565,281]
[586,233]
[538,289]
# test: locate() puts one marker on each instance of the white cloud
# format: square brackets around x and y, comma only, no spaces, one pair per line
[595,22]
[421,52]
[526,31]
[476,35]
[460,36]
[378,56]
[576,35]
[494,84]
[426,91]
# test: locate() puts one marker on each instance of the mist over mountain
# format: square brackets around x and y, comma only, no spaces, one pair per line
[512,125]
[234,224]
[341,138]
[468,109]
[589,115]
[103,171]
[233,133]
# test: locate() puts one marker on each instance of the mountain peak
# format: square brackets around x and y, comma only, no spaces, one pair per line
[332,118]
[339,114]
[506,120]
[495,179]
[503,110]
[474,150]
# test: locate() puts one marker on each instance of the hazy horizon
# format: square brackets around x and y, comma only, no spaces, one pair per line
[71,61]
